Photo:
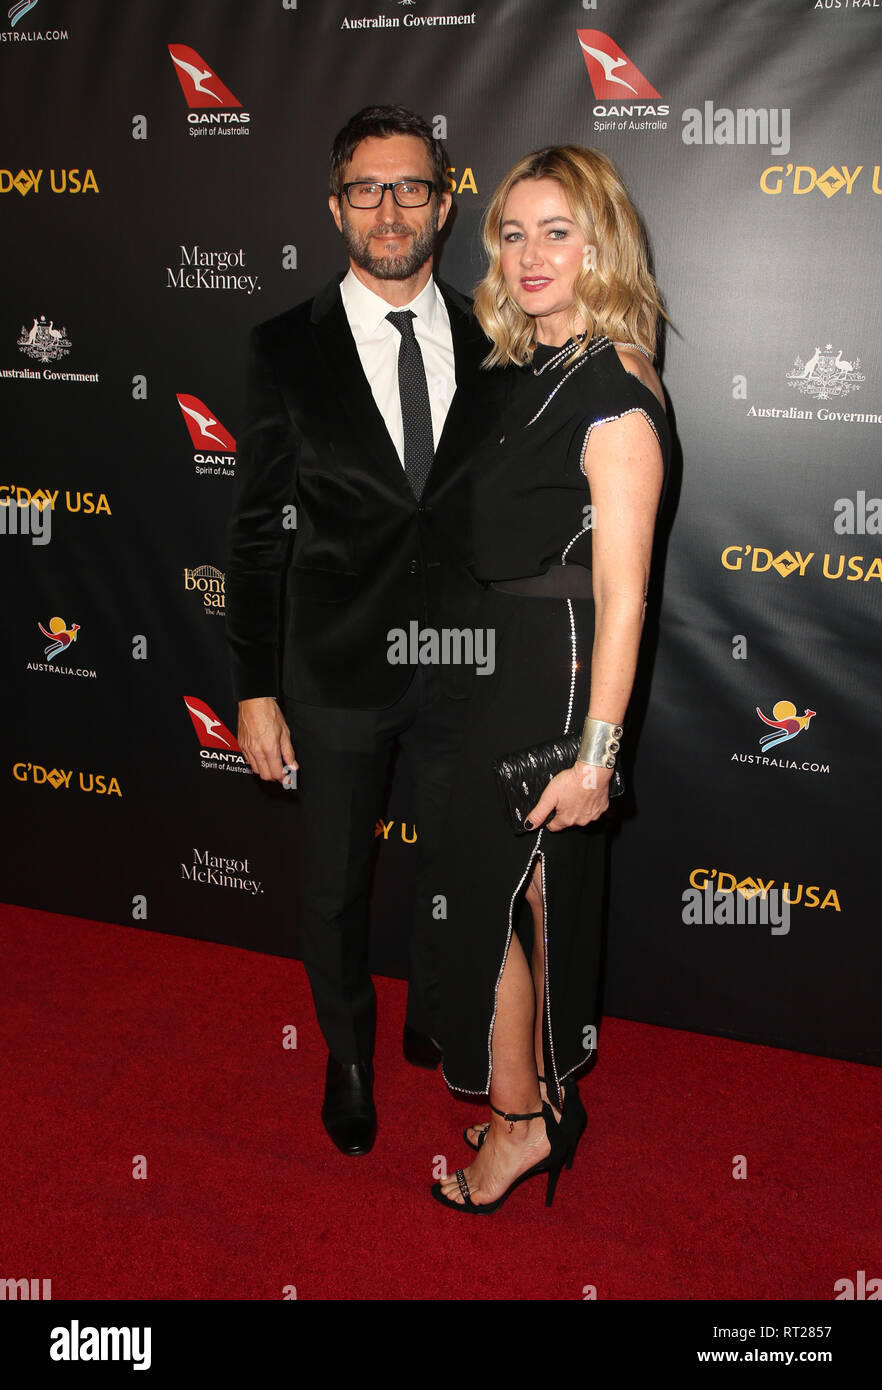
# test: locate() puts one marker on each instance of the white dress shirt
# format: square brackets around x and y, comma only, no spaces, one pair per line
[378,342]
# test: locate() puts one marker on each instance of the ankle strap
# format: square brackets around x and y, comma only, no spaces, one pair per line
[535,1115]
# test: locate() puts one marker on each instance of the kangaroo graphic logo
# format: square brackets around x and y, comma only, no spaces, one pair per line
[613,76]
[200,84]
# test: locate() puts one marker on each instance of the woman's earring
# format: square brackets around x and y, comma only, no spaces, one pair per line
[589,258]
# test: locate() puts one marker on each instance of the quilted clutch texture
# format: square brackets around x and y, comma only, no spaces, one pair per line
[523,776]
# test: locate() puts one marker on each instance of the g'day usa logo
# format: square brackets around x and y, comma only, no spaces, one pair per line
[214,110]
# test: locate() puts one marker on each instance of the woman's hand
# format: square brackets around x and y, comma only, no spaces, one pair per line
[576,796]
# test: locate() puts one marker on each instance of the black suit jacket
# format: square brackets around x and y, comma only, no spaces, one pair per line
[309,609]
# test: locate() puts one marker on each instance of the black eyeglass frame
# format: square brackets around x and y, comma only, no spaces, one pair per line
[426,183]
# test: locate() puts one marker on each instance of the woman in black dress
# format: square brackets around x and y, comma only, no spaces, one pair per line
[564,512]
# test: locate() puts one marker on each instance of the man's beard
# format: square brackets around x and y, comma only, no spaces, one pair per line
[391,267]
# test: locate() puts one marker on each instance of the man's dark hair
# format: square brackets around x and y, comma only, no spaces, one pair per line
[381,121]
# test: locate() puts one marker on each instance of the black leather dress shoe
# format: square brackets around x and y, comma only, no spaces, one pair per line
[348,1112]
[420,1050]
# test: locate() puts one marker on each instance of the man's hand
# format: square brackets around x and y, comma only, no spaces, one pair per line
[265,739]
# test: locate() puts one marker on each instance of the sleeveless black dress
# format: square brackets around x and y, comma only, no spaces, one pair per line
[530,496]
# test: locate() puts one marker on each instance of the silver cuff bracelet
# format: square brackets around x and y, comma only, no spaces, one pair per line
[600,743]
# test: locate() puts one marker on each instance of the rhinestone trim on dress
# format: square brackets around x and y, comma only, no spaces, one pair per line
[569,603]
[637,348]
[596,346]
[634,409]
[547,982]
[559,356]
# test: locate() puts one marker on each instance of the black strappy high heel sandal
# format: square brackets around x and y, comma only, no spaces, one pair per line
[573,1119]
[551,1164]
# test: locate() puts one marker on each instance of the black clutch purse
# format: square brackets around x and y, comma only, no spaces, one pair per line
[523,777]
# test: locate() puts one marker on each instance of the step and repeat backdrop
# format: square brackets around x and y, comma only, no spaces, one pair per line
[163,187]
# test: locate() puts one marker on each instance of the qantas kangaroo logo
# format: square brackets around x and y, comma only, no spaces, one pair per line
[200,84]
[206,431]
[211,731]
[613,75]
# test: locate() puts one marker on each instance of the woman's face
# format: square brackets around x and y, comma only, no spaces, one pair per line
[541,255]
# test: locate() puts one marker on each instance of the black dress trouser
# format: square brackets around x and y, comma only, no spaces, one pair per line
[345,757]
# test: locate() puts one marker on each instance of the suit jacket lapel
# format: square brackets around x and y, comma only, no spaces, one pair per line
[342,364]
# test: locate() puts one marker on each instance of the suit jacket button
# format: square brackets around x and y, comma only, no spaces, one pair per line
[413,567]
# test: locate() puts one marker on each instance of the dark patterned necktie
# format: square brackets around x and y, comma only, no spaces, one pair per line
[416,413]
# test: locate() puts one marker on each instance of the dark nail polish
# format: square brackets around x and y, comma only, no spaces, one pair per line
[528,825]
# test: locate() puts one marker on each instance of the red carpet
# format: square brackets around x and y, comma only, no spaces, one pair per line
[121,1042]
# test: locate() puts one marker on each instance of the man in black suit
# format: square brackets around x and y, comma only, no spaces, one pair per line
[362,423]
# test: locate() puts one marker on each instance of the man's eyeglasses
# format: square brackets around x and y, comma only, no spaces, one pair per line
[408,193]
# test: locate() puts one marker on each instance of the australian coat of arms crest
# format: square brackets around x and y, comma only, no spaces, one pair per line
[826,375]
[43,341]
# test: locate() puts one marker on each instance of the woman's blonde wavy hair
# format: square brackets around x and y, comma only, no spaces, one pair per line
[618,298]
